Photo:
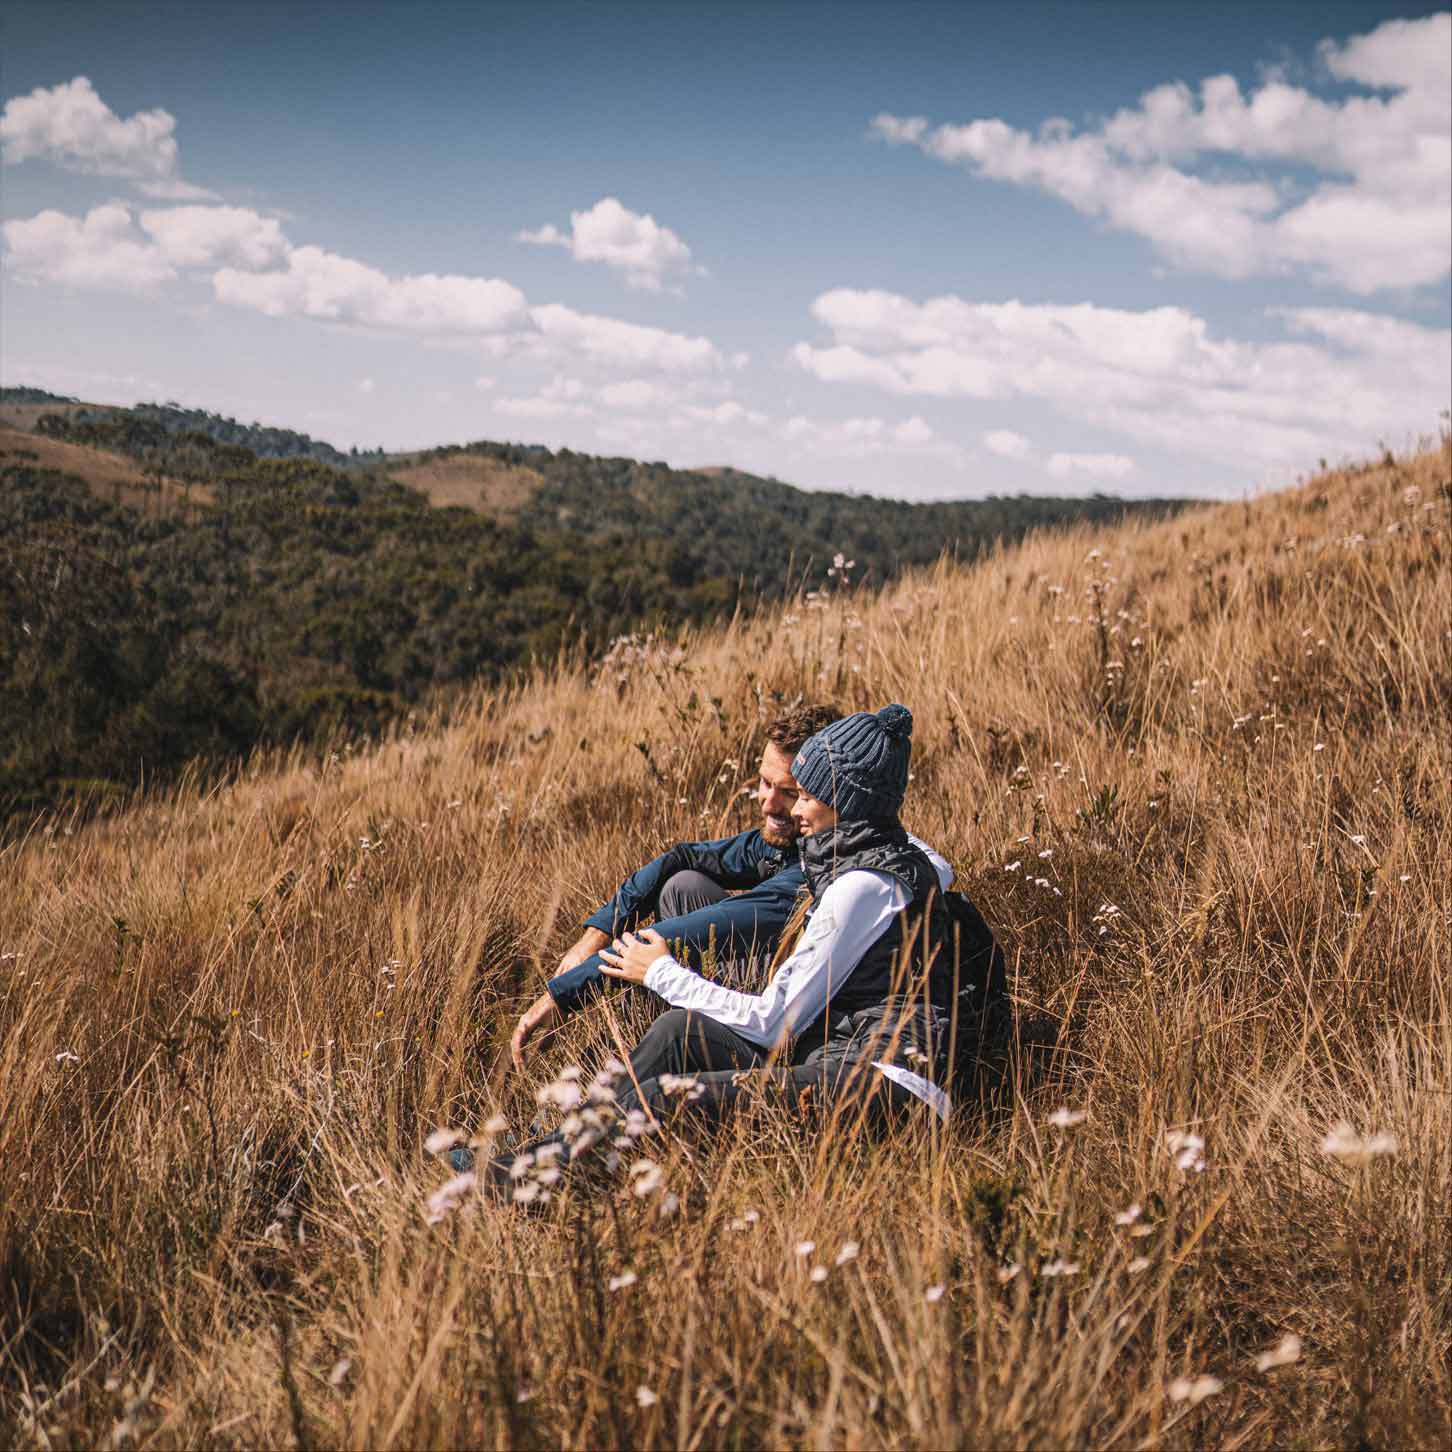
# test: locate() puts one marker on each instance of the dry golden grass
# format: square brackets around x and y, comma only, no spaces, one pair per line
[1197,773]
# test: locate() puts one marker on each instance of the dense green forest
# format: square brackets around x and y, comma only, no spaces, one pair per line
[302,599]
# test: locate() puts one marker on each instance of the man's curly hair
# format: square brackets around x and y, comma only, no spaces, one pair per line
[790,730]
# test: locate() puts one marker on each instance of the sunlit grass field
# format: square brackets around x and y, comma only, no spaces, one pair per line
[1197,774]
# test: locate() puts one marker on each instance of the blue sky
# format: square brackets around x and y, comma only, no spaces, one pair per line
[922,250]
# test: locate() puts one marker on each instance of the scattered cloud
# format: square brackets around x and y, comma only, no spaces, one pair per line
[722,415]
[1093,466]
[320,284]
[208,236]
[1377,213]
[71,127]
[485,382]
[1158,376]
[367,386]
[620,344]
[561,398]
[635,393]
[633,243]
[104,249]
[862,435]
[1007,444]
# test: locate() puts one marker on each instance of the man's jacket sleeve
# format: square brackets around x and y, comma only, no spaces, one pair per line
[738,927]
[731,861]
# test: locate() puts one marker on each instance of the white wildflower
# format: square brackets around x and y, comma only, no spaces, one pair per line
[1066,1118]
[624,1279]
[1128,1217]
[1060,1268]
[1188,1150]
[340,1370]
[806,1247]
[1343,1143]
[1183,1389]
[934,1293]
[819,1274]
[646,1176]
[645,1397]
[441,1140]
[562,1092]
[1283,1353]
[447,1198]
[1006,1273]
[848,1252]
[1139,1263]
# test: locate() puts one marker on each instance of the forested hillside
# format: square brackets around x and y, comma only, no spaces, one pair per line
[189,598]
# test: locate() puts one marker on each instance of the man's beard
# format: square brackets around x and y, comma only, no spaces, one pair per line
[775,836]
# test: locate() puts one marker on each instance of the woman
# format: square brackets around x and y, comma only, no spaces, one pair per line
[858,1014]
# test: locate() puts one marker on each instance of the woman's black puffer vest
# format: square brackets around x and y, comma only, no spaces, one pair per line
[879,975]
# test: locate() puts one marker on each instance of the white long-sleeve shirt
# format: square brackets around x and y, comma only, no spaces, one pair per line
[851,915]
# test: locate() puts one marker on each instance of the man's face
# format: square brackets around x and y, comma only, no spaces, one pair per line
[777,792]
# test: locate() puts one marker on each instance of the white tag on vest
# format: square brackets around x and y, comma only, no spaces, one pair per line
[925,1089]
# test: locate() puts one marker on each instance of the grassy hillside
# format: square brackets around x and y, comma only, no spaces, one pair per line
[1196,772]
[167,593]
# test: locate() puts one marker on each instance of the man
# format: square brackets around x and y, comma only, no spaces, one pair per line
[688,890]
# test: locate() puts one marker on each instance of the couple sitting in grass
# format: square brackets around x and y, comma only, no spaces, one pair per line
[871,1008]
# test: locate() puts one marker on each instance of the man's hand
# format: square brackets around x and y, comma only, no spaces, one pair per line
[590,941]
[542,1011]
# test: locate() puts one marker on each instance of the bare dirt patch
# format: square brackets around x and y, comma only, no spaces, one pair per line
[109,475]
[471,481]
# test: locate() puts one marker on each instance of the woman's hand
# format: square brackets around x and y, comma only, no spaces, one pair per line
[632,954]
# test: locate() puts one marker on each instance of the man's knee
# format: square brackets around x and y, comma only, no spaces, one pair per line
[686,892]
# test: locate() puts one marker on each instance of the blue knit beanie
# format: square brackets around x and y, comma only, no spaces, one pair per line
[859,764]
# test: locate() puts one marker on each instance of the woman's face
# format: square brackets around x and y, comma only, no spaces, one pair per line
[812,816]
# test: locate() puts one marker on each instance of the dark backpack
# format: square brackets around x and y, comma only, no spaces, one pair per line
[979,978]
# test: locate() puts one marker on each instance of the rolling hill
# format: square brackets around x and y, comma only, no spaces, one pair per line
[1196,772]
[173,593]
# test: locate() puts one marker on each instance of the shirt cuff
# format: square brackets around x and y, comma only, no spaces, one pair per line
[659,972]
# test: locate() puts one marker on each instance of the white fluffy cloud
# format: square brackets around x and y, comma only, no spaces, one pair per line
[1377,215]
[1090,466]
[208,236]
[1007,444]
[70,126]
[562,397]
[319,284]
[1158,376]
[859,436]
[104,249]
[620,344]
[635,393]
[633,243]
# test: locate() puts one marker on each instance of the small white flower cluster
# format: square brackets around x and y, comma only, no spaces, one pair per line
[1188,1150]
[1104,917]
[1066,1118]
[1194,1389]
[686,1085]
[1345,1144]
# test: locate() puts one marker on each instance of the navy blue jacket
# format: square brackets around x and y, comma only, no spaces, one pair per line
[751,922]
